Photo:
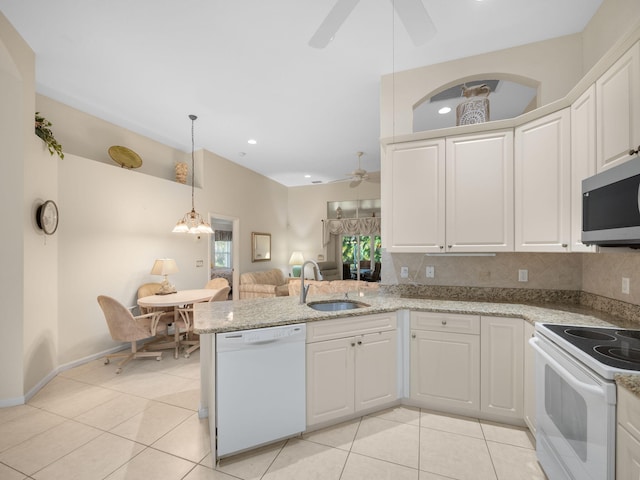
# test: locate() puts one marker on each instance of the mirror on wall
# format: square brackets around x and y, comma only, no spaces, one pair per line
[260,247]
[507,99]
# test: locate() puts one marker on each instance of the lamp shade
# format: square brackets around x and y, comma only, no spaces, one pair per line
[164,266]
[296,258]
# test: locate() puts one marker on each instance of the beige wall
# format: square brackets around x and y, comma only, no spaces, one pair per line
[555,64]
[611,22]
[603,273]
[307,206]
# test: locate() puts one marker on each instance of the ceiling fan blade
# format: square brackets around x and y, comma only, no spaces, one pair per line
[355,183]
[331,24]
[416,20]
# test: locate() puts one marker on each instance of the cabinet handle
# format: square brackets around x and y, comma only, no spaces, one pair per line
[359,342]
[634,152]
[441,247]
[444,322]
[564,245]
[413,335]
[353,344]
[449,247]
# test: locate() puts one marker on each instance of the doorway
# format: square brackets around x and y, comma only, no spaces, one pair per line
[224,258]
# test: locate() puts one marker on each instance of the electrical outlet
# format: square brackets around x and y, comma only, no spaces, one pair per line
[404,272]
[625,285]
[431,271]
[199,263]
[523,275]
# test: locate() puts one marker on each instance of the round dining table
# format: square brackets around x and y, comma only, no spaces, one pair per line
[176,300]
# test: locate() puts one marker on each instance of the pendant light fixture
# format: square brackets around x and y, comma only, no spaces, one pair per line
[192,221]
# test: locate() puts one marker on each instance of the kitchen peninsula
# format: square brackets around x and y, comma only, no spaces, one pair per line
[399,321]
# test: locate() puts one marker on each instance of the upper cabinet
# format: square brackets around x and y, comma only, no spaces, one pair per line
[583,160]
[413,195]
[449,196]
[618,110]
[542,184]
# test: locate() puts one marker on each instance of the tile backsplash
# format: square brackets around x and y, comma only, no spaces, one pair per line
[597,273]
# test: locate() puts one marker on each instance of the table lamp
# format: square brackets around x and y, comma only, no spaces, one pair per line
[296,262]
[165,267]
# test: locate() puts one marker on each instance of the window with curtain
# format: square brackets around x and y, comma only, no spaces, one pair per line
[222,249]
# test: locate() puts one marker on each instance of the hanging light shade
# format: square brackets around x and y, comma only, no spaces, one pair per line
[192,222]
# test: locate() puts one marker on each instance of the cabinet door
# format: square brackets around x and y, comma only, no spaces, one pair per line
[618,110]
[479,193]
[627,456]
[330,379]
[445,370]
[376,370]
[583,160]
[502,366]
[542,184]
[413,196]
[529,379]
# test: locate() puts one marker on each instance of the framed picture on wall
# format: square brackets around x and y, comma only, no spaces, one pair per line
[260,247]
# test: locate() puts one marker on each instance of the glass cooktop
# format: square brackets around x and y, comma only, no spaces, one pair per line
[615,347]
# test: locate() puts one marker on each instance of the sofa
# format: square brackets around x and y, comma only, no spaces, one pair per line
[329,271]
[317,287]
[265,284]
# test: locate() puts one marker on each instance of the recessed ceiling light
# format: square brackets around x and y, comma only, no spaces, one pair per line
[444,110]
[307,176]
[252,141]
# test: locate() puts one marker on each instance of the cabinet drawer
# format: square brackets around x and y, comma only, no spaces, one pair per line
[347,327]
[629,412]
[445,322]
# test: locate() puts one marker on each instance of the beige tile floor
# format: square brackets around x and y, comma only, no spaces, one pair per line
[89,423]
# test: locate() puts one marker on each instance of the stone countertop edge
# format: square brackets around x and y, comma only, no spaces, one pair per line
[233,315]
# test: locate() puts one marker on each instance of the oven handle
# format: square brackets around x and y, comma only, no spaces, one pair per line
[566,375]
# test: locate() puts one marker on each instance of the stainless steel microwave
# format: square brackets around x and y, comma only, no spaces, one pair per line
[611,206]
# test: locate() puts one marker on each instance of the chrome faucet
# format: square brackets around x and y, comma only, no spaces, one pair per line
[316,275]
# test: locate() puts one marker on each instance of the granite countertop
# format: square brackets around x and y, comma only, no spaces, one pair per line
[216,317]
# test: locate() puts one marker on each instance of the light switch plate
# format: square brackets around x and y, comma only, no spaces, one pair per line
[404,272]
[523,275]
[431,271]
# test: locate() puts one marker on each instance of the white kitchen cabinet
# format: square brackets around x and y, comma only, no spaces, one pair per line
[542,184]
[628,436]
[444,363]
[529,386]
[618,110]
[413,196]
[449,197]
[479,192]
[355,371]
[501,360]
[583,160]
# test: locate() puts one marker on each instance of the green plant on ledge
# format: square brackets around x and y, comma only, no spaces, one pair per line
[45,133]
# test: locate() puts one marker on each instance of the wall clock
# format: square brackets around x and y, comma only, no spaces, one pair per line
[47,217]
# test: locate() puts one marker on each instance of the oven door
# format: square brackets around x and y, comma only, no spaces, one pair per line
[575,415]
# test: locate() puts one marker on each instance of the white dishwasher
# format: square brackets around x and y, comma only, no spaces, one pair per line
[260,386]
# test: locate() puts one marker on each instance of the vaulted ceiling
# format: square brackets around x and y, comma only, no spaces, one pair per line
[246,69]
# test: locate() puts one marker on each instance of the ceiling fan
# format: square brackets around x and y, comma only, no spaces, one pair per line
[412,13]
[360,174]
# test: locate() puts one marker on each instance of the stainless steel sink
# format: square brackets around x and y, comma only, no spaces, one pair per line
[336,305]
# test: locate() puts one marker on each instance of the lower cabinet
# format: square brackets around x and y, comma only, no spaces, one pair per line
[354,372]
[467,364]
[529,386]
[444,361]
[501,372]
[628,436]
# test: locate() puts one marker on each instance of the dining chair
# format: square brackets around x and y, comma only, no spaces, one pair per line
[124,327]
[217,283]
[186,315]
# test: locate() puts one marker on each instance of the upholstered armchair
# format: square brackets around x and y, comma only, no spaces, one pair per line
[266,284]
[124,327]
[329,270]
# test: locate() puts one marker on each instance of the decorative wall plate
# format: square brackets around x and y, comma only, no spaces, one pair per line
[125,157]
